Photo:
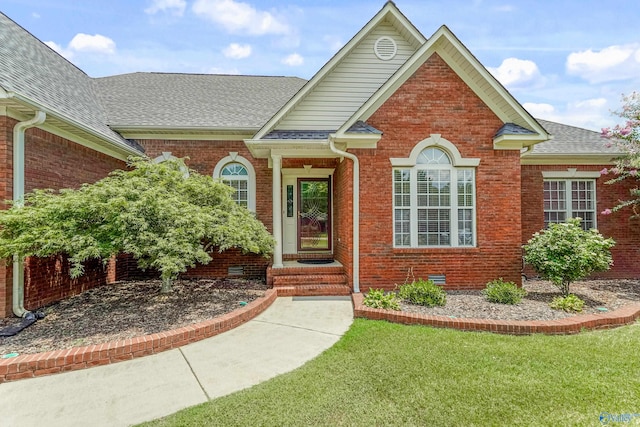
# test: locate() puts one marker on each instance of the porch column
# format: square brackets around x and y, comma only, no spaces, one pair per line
[277,209]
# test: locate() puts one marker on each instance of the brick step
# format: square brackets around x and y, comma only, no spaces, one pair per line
[309,279]
[307,271]
[312,290]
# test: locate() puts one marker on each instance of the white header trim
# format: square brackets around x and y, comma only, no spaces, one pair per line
[435,140]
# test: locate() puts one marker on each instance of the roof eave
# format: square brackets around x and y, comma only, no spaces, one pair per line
[517,142]
[530,158]
[115,143]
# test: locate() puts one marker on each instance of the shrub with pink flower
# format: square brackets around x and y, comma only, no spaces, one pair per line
[627,138]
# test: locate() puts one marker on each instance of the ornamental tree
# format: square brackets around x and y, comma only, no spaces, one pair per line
[165,218]
[565,252]
[627,138]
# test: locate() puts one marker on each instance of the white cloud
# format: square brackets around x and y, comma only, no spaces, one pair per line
[237,51]
[62,51]
[293,60]
[87,43]
[618,62]
[514,72]
[239,17]
[539,110]
[176,7]
[588,113]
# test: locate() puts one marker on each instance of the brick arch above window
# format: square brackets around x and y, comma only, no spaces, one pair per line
[435,140]
[235,159]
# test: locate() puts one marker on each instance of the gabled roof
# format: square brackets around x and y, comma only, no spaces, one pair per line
[572,145]
[388,16]
[33,76]
[475,75]
[193,101]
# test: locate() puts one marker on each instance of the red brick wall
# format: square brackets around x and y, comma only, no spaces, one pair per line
[436,101]
[205,155]
[343,216]
[625,231]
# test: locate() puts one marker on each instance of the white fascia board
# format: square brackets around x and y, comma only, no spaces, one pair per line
[357,140]
[289,148]
[388,9]
[516,142]
[186,133]
[571,173]
[567,159]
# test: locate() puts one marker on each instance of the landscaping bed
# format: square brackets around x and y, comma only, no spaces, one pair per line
[129,309]
[597,295]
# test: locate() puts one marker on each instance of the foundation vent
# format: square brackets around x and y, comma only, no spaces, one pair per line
[438,279]
[235,271]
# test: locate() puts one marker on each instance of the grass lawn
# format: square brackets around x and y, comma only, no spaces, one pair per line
[381,373]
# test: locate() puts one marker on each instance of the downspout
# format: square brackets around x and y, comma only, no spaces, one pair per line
[18,196]
[356,211]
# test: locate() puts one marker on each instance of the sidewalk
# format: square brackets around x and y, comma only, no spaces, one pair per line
[291,332]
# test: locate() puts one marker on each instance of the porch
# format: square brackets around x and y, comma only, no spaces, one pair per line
[298,279]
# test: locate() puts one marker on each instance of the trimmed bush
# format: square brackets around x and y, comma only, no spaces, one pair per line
[376,298]
[569,303]
[423,292]
[502,292]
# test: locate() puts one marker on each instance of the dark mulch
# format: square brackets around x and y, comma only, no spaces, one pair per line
[126,310]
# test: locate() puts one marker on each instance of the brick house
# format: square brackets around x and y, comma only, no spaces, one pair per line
[402,153]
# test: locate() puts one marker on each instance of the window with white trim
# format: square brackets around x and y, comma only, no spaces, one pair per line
[434,201]
[236,176]
[238,173]
[570,198]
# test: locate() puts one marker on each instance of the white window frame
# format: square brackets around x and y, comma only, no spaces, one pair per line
[234,157]
[568,177]
[457,164]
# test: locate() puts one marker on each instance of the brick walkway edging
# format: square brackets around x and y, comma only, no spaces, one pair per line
[33,365]
[569,325]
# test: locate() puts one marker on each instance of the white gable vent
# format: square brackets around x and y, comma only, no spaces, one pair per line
[385,48]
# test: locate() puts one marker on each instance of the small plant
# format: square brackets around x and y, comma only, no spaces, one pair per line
[569,303]
[423,292]
[376,298]
[503,292]
[565,252]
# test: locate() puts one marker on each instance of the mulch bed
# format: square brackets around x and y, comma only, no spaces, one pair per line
[597,294]
[126,310]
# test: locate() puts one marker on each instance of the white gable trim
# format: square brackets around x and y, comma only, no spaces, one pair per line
[512,111]
[388,11]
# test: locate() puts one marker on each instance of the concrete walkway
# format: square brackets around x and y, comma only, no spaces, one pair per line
[291,332]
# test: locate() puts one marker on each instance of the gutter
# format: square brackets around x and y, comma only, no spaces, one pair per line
[18,196]
[356,211]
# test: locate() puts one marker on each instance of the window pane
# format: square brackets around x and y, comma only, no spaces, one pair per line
[433,156]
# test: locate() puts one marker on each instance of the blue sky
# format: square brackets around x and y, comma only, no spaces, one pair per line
[566,61]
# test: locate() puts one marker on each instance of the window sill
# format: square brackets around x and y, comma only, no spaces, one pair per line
[437,250]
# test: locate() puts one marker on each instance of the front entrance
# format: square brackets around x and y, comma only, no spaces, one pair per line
[314,214]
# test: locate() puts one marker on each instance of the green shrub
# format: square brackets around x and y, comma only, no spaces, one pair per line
[376,298]
[503,292]
[565,252]
[423,292]
[569,303]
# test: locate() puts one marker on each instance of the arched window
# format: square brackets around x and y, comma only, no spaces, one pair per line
[434,197]
[237,172]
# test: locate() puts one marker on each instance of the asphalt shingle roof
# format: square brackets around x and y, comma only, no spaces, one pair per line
[358,127]
[33,70]
[168,100]
[573,140]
